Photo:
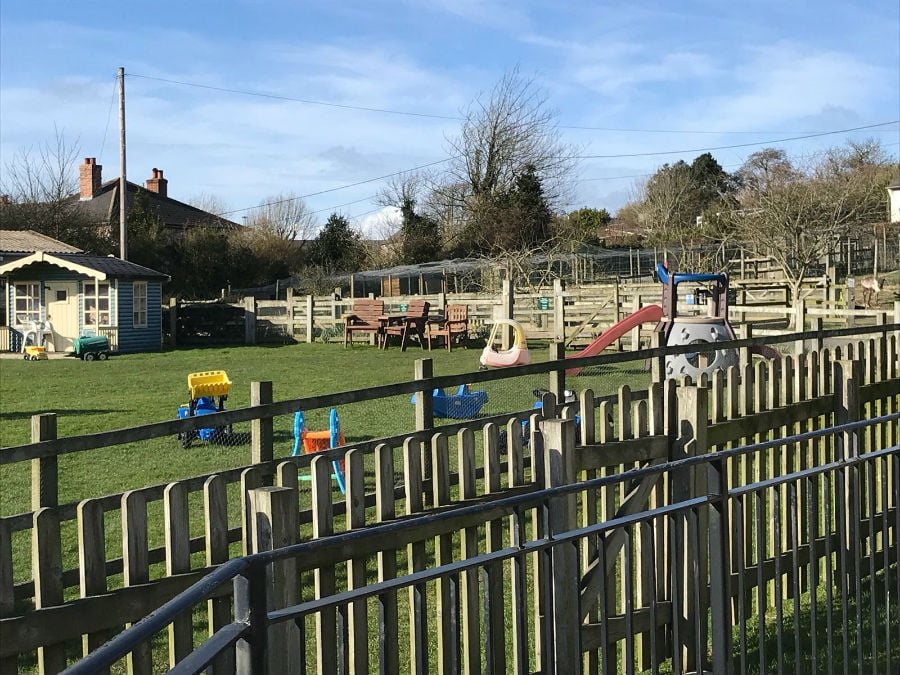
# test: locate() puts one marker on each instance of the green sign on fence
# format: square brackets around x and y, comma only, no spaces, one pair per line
[543,303]
[403,306]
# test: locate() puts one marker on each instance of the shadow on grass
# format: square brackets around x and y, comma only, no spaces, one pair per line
[22,415]
[868,625]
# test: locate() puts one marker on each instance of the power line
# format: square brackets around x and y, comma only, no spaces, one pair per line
[738,145]
[452,118]
[335,189]
[278,97]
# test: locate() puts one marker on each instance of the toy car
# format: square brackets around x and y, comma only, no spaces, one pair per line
[90,347]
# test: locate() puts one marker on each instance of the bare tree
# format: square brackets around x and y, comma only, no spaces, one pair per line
[285,216]
[796,215]
[40,188]
[503,133]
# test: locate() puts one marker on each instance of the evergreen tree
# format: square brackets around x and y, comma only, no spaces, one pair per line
[337,248]
[421,237]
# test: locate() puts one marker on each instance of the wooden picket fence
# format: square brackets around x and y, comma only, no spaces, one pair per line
[621,432]
[575,315]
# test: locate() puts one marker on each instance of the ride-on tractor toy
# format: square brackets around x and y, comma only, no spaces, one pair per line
[90,347]
[204,388]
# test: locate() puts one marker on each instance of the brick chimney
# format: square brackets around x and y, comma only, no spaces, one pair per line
[89,178]
[158,184]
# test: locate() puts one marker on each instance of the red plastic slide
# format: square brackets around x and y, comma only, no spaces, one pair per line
[613,333]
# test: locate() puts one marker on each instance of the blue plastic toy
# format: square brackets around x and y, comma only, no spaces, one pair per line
[459,406]
[316,441]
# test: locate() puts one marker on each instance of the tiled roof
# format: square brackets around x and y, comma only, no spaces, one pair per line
[104,206]
[29,241]
[113,267]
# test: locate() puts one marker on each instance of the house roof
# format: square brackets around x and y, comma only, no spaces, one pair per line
[29,241]
[94,266]
[104,206]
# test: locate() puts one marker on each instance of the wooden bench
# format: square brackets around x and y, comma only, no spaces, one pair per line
[413,321]
[366,317]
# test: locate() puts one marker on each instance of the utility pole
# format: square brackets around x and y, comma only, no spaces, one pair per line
[123,184]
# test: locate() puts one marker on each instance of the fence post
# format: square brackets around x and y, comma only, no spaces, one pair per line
[507,306]
[636,331]
[690,441]
[44,470]
[657,363]
[249,320]
[173,322]
[310,321]
[261,428]
[745,356]
[559,310]
[289,310]
[564,627]
[719,568]
[275,526]
[617,310]
[558,376]
[818,326]
[46,568]
[424,370]
[897,318]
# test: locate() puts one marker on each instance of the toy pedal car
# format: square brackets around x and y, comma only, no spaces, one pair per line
[33,353]
[203,389]
[90,347]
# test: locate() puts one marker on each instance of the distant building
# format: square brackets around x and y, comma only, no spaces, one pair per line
[894,194]
[99,201]
[47,283]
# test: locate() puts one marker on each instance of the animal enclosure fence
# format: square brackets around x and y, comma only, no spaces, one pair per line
[209,520]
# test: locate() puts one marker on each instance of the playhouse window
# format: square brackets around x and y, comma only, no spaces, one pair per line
[139,316]
[28,303]
[96,304]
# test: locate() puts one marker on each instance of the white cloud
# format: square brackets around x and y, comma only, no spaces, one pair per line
[379,225]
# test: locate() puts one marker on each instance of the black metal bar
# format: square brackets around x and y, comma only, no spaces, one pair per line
[812,520]
[794,535]
[843,563]
[760,584]
[885,538]
[694,581]
[607,665]
[342,647]
[873,625]
[650,543]
[250,607]
[676,551]
[779,589]
[206,653]
[719,573]
[742,604]
[628,576]
[829,575]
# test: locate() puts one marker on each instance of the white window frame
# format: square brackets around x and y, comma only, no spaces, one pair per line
[97,309]
[27,306]
[139,304]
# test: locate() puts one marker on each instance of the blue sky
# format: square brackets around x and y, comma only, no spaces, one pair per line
[778,68]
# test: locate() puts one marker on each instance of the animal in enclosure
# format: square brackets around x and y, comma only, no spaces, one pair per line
[871,287]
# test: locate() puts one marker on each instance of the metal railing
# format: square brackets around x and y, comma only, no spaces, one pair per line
[816,587]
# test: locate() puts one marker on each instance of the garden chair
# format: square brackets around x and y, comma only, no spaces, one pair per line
[414,321]
[366,317]
[454,324]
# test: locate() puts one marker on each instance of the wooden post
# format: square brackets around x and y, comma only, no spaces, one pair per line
[249,320]
[617,310]
[44,470]
[261,449]
[690,441]
[657,363]
[507,305]
[178,561]
[9,664]
[310,319]
[424,370]
[636,331]
[799,323]
[173,322]
[745,356]
[558,376]
[46,567]
[275,526]
[559,311]
[91,561]
[136,565]
[565,624]
[215,516]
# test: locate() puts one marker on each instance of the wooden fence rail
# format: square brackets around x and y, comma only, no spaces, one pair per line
[617,434]
[661,581]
